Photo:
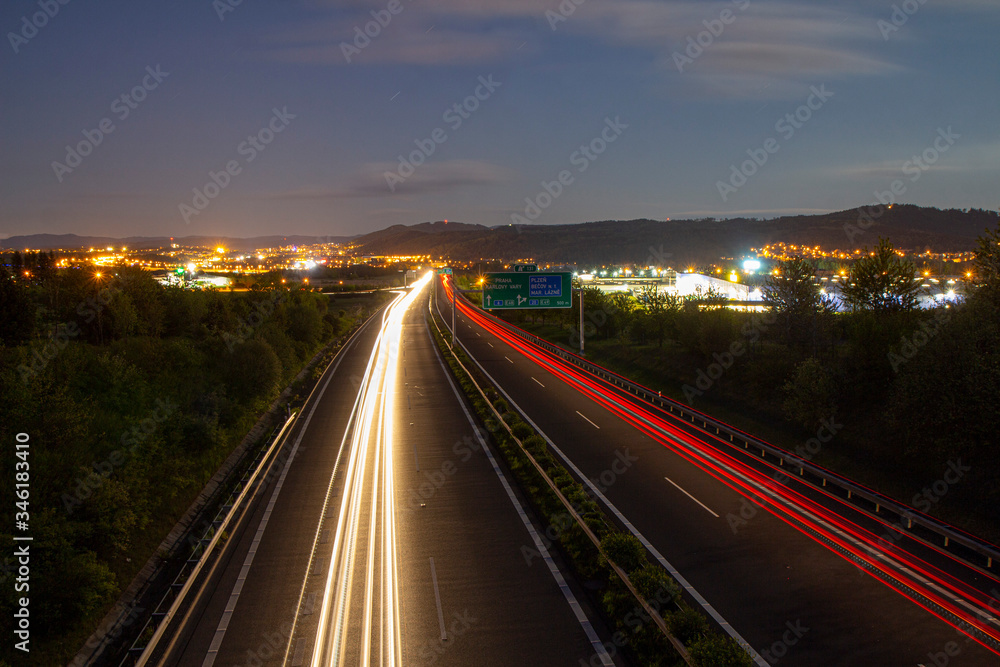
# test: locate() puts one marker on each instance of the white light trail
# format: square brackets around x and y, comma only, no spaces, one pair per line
[359,620]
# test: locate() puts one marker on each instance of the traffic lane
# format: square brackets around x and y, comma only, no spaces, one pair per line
[929,553]
[832,498]
[500,369]
[497,608]
[261,620]
[500,366]
[471,530]
[259,624]
[785,575]
[974,583]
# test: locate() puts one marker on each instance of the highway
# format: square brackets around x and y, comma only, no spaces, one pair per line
[798,574]
[392,535]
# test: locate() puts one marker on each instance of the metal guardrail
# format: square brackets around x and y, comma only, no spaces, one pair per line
[881,503]
[572,511]
[154,626]
[141,651]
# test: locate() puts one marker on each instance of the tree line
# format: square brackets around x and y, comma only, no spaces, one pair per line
[132,394]
[915,387]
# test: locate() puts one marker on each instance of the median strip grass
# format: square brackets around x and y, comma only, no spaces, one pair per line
[652,623]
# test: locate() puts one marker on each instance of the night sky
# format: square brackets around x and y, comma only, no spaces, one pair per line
[615,99]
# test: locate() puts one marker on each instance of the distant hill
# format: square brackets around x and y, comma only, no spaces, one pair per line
[74,242]
[405,236]
[681,241]
[672,242]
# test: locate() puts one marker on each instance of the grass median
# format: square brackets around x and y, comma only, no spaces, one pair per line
[626,585]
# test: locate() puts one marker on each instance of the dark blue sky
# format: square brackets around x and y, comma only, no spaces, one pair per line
[676,119]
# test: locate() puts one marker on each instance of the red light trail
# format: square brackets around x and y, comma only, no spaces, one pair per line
[948,597]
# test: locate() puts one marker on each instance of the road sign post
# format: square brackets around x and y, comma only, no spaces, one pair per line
[581,319]
[527,290]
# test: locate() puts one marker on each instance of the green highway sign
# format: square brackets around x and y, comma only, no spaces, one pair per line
[525,268]
[527,290]
[444,271]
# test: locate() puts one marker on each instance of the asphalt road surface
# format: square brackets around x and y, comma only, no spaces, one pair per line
[794,600]
[435,572]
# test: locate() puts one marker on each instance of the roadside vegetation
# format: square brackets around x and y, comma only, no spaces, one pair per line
[132,394]
[908,391]
[634,632]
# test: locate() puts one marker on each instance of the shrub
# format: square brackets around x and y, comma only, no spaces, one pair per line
[521,430]
[654,584]
[625,550]
[687,624]
[533,442]
[714,650]
[562,481]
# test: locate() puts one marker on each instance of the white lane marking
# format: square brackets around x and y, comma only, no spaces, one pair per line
[300,644]
[574,604]
[437,600]
[489,343]
[539,383]
[507,358]
[674,572]
[220,632]
[705,507]
[478,334]
[588,421]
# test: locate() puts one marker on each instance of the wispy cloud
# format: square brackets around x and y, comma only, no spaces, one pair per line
[750,213]
[433,177]
[440,46]
[962,158]
[767,50]
[770,48]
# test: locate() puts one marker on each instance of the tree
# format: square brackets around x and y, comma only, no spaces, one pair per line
[145,295]
[710,299]
[660,308]
[882,282]
[987,261]
[253,370]
[622,308]
[267,281]
[122,318]
[305,324]
[793,291]
[794,297]
[596,312]
[809,394]
[18,319]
